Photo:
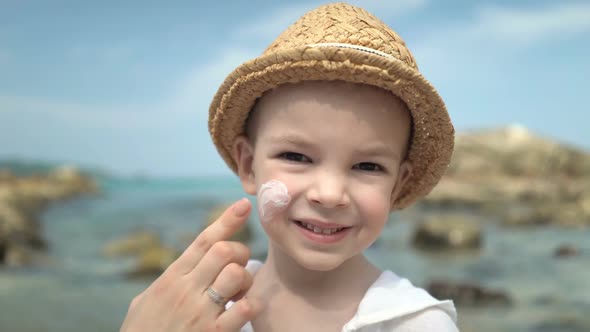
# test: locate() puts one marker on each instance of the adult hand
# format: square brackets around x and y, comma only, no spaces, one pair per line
[178,300]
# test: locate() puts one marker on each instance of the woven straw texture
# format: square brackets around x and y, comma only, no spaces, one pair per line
[293,58]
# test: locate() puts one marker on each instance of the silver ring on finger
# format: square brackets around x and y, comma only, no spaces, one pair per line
[216,298]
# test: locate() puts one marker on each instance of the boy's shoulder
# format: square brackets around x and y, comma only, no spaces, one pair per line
[395,300]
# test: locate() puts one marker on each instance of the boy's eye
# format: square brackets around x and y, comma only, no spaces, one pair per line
[370,167]
[293,156]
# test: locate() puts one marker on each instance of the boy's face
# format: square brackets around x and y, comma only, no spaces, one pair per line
[339,148]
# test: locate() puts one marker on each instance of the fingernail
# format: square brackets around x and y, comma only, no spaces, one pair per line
[241,207]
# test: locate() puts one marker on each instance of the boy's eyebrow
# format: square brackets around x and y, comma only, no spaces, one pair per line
[290,138]
[377,150]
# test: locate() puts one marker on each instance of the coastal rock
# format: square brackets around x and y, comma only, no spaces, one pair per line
[23,199]
[567,214]
[448,232]
[6,176]
[152,257]
[496,172]
[467,294]
[516,151]
[18,256]
[18,230]
[73,181]
[133,244]
[153,262]
[565,251]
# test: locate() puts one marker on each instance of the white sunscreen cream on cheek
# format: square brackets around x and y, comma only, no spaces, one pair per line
[273,197]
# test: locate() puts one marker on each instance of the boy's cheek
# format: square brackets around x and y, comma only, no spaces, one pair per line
[375,207]
[380,209]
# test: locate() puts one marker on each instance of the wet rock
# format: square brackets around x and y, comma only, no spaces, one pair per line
[495,170]
[18,230]
[6,176]
[23,199]
[453,193]
[467,294]
[132,244]
[448,232]
[565,251]
[153,262]
[18,256]
[517,152]
[152,257]
[524,216]
[73,179]
[567,214]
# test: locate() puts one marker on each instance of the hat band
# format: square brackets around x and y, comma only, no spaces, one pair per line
[354,47]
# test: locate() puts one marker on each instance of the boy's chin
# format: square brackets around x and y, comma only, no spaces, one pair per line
[319,262]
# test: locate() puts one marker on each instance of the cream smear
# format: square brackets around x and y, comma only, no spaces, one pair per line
[273,197]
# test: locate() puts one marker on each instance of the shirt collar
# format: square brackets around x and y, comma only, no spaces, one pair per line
[390,297]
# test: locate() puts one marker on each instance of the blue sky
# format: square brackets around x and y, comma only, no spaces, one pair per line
[126,86]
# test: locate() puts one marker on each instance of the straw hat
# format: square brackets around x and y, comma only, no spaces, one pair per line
[342,42]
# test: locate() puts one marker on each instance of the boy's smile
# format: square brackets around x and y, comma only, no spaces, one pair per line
[339,148]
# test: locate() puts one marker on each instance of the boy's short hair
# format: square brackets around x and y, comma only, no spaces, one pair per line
[342,42]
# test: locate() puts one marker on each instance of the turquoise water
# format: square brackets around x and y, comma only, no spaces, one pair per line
[80,290]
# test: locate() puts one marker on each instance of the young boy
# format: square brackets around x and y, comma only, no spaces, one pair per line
[332,128]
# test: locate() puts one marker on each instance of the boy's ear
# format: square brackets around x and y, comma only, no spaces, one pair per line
[243,153]
[403,175]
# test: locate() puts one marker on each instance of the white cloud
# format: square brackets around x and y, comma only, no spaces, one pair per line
[196,90]
[194,93]
[498,27]
[122,116]
[495,34]
[529,26]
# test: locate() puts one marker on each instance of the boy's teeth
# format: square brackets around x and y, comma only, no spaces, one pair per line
[318,230]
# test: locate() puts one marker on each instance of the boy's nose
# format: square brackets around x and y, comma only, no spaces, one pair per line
[328,190]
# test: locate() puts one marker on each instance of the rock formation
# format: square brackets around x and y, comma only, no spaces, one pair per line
[23,199]
[518,178]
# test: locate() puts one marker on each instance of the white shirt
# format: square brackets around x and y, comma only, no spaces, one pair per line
[392,304]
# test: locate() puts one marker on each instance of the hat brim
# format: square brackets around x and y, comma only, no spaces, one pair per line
[432,138]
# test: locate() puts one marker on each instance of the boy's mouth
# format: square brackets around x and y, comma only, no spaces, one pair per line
[320,230]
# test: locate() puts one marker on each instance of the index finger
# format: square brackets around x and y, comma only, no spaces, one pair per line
[232,219]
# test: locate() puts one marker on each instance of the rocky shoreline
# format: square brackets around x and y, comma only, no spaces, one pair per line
[22,201]
[517,179]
